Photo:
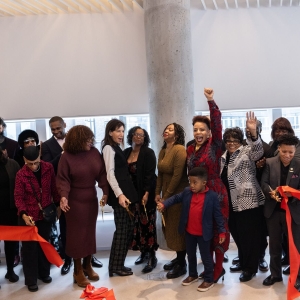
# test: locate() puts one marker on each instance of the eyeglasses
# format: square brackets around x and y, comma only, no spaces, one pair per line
[36,163]
[139,135]
[283,131]
[28,141]
[234,142]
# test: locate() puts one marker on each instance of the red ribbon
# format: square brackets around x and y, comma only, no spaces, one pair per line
[30,233]
[90,292]
[292,293]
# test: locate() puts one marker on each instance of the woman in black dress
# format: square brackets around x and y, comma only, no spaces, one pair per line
[142,164]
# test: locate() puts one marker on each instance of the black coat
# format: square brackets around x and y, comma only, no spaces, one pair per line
[51,152]
[12,147]
[123,178]
[146,178]
[271,178]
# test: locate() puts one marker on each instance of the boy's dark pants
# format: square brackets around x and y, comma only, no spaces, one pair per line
[191,247]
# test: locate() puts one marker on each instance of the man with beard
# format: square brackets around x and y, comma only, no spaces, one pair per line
[10,145]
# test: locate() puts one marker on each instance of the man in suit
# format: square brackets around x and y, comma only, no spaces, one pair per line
[10,145]
[51,152]
[281,170]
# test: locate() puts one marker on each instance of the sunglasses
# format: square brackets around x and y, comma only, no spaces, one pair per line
[29,140]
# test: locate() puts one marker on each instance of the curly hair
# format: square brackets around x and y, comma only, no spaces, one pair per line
[132,131]
[201,119]
[281,124]
[179,135]
[235,133]
[77,137]
[288,139]
[112,125]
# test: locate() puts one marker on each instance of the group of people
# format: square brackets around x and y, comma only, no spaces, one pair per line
[213,186]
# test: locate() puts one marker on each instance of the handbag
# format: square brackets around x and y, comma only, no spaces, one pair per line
[49,212]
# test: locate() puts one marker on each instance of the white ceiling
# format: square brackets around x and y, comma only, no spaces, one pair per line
[34,7]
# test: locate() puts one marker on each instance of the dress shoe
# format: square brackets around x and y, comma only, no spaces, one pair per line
[170,265]
[96,263]
[263,265]
[126,269]
[221,275]
[66,267]
[12,276]
[17,260]
[225,259]
[270,280]
[246,276]
[120,273]
[176,272]
[32,288]
[46,279]
[151,264]
[297,284]
[236,260]
[141,258]
[236,268]
[286,270]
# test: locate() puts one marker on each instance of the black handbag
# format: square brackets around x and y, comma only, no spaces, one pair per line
[49,212]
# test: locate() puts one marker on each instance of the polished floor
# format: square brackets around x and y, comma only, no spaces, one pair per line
[152,286]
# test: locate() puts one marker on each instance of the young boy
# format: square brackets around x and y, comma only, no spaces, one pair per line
[200,207]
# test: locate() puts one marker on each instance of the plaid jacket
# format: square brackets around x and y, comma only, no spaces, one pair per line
[245,191]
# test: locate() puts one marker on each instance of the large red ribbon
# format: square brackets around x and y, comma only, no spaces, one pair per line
[90,292]
[30,233]
[292,293]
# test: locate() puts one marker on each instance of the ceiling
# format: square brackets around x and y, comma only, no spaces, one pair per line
[10,8]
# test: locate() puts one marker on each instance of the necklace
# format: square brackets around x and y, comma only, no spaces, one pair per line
[37,169]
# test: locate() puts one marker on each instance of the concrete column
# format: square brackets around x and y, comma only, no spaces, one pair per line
[170,68]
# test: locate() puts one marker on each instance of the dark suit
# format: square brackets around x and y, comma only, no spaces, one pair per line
[276,220]
[51,152]
[11,146]
[211,212]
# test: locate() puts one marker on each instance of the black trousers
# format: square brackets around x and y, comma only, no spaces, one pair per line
[9,217]
[245,228]
[264,234]
[122,238]
[35,263]
[63,234]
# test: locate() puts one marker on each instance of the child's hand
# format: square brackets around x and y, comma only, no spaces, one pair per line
[160,207]
[221,240]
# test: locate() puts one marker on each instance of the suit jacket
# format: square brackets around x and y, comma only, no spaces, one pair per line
[12,147]
[271,177]
[211,211]
[51,152]
[146,178]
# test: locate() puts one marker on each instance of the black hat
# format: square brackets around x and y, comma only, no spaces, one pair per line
[31,153]
[25,134]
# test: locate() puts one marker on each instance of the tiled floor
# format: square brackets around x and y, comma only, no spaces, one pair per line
[152,286]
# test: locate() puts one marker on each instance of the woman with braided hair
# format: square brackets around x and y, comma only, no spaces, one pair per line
[172,179]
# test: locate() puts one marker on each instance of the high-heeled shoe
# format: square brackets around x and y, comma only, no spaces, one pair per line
[221,275]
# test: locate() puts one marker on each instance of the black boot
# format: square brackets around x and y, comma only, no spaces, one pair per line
[141,258]
[151,264]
